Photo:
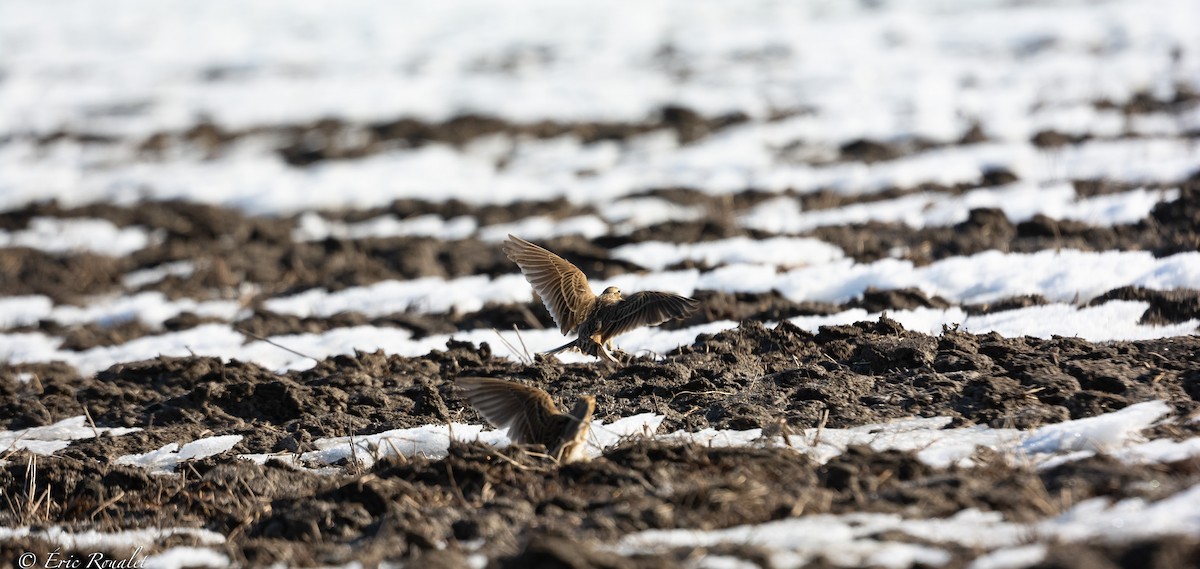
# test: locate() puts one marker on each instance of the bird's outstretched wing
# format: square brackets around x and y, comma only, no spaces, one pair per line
[647,308]
[526,411]
[564,288]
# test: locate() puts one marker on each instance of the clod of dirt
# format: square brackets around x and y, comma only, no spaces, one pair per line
[1166,306]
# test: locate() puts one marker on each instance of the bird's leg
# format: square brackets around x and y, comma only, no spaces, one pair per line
[612,348]
[606,355]
[606,349]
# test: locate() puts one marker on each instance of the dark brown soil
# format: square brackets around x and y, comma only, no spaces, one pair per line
[230,249]
[745,378]
[335,139]
[523,508]
[1166,307]
[1144,102]
[1171,228]
[514,508]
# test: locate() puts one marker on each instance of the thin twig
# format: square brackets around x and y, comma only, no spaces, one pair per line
[12,447]
[88,414]
[542,455]
[395,450]
[523,346]
[462,500]
[511,348]
[273,343]
[710,392]
[107,503]
[515,463]
[820,427]
[354,455]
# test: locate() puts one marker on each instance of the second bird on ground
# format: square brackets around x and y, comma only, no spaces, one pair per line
[531,416]
[565,291]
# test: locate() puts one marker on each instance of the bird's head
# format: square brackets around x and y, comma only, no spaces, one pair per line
[585,405]
[612,291]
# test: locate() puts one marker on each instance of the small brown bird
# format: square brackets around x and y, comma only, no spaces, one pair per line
[565,291]
[531,416]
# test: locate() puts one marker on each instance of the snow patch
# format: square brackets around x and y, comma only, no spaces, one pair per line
[1019,202]
[1061,276]
[428,295]
[1103,432]
[180,557]
[165,459]
[143,277]
[313,227]
[99,236]
[24,310]
[940,447]
[1116,320]
[847,539]
[541,227]
[52,438]
[778,251]
[433,441]
[94,540]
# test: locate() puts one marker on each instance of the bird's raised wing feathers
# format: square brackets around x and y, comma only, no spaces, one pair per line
[564,288]
[526,411]
[647,308]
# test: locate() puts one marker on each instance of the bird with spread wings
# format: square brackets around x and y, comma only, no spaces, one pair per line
[531,416]
[596,319]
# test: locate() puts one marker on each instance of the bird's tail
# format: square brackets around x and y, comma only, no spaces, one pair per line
[587,347]
[561,348]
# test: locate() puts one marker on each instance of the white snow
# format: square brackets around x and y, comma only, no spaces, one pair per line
[885,71]
[23,310]
[1060,276]
[1010,558]
[165,459]
[313,227]
[1115,320]
[779,251]
[1095,433]
[92,540]
[180,557]
[433,441]
[1019,202]
[847,539]
[1149,452]
[626,214]
[99,236]
[1112,321]
[52,438]
[934,444]
[541,227]
[941,447]
[151,308]
[138,279]
[262,184]
[430,294]
[632,213]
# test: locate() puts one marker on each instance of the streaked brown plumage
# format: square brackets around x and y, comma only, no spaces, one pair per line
[531,415]
[565,291]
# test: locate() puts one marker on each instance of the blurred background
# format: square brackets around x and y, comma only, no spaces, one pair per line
[277,107]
